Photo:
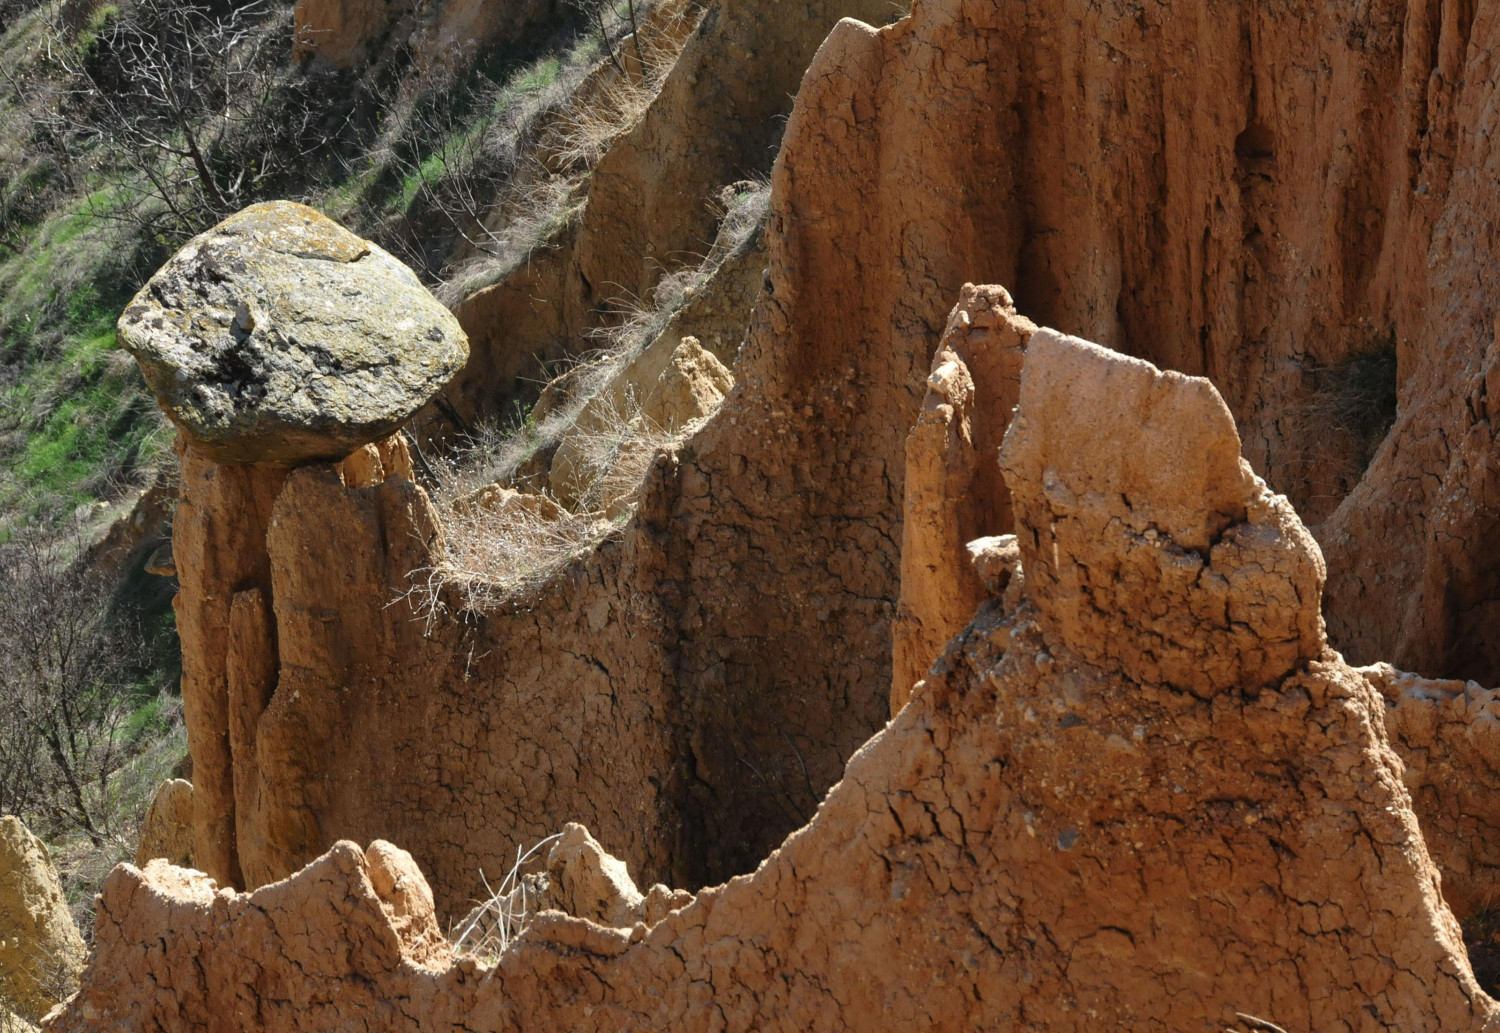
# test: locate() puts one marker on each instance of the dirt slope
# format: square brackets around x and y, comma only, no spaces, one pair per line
[651,197]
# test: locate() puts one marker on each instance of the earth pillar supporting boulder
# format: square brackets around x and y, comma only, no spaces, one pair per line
[273,340]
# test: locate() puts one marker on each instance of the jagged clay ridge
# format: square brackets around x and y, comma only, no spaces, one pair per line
[954,492]
[1141,794]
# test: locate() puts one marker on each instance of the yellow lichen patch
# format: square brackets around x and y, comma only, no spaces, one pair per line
[297,230]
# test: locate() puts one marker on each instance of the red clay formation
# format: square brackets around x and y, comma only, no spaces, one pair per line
[1126,781]
[1084,818]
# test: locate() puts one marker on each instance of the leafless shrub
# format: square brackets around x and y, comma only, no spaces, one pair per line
[185,108]
[597,117]
[595,11]
[472,167]
[122,803]
[20,205]
[66,680]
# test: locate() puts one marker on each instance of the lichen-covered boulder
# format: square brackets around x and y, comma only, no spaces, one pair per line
[278,337]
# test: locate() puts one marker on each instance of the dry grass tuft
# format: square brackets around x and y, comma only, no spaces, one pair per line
[489,930]
[585,131]
[515,543]
[500,544]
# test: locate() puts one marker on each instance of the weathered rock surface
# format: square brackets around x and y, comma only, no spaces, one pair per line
[690,388]
[1181,608]
[278,337]
[343,32]
[406,901]
[301,676]
[1059,830]
[954,491]
[585,881]
[1448,738]
[1186,237]
[997,562]
[41,953]
[167,832]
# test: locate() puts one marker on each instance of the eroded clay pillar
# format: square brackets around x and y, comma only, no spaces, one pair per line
[274,340]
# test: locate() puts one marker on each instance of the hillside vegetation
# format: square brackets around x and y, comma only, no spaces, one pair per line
[125,135]
[125,129]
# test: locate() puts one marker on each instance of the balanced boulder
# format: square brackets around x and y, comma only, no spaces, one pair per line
[279,337]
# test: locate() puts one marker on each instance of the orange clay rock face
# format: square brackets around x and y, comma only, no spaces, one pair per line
[1262,199]
[1449,740]
[1081,820]
[1414,573]
[1148,179]
[954,492]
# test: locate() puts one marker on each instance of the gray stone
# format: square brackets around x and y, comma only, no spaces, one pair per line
[278,337]
[996,561]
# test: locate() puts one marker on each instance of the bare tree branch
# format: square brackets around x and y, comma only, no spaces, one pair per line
[65,684]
